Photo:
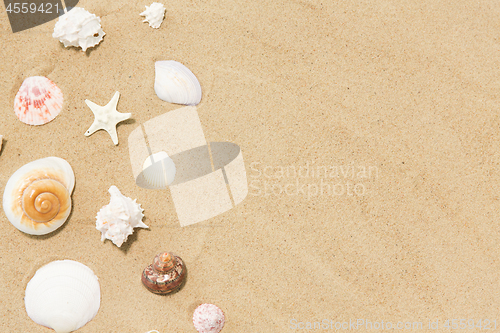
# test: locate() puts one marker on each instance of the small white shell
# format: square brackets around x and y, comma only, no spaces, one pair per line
[117,220]
[79,28]
[38,101]
[175,83]
[208,318]
[37,197]
[154,14]
[63,295]
[159,170]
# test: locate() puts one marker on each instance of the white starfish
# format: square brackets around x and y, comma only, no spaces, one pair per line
[106,117]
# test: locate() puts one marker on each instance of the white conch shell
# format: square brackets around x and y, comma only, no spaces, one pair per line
[38,101]
[117,220]
[154,14]
[63,295]
[159,170]
[79,28]
[175,83]
[37,197]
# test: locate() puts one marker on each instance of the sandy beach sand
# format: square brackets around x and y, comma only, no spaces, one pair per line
[369,132]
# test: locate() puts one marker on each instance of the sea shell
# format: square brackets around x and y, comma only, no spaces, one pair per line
[175,83]
[1,142]
[159,170]
[117,220]
[63,295]
[154,14]
[38,101]
[79,28]
[37,197]
[165,275]
[208,318]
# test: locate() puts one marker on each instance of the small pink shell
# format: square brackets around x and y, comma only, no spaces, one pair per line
[38,101]
[208,318]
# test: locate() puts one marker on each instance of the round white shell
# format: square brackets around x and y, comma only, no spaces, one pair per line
[159,170]
[175,83]
[38,101]
[79,28]
[154,14]
[117,220]
[39,169]
[63,295]
[208,318]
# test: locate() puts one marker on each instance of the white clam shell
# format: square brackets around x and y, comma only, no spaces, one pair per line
[154,14]
[79,28]
[63,295]
[159,170]
[117,220]
[38,101]
[175,83]
[37,197]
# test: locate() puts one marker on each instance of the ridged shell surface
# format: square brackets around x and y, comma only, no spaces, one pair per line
[208,318]
[63,295]
[159,170]
[37,197]
[38,101]
[79,28]
[175,83]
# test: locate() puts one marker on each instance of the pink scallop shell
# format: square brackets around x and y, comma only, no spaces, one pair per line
[208,318]
[38,101]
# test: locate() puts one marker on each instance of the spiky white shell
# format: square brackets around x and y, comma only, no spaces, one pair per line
[79,28]
[117,220]
[38,101]
[159,170]
[37,197]
[208,318]
[63,295]
[175,83]
[154,14]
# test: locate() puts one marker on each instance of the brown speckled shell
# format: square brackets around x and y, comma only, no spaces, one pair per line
[165,275]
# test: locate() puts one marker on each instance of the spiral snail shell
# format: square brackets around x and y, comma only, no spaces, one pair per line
[165,275]
[37,197]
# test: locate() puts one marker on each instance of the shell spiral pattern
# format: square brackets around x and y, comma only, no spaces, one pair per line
[37,197]
[165,275]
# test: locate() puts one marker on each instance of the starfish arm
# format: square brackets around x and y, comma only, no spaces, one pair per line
[93,128]
[94,107]
[114,101]
[113,134]
[123,116]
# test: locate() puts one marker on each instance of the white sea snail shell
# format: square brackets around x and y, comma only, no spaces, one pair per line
[175,83]
[117,220]
[37,197]
[154,14]
[79,28]
[63,295]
